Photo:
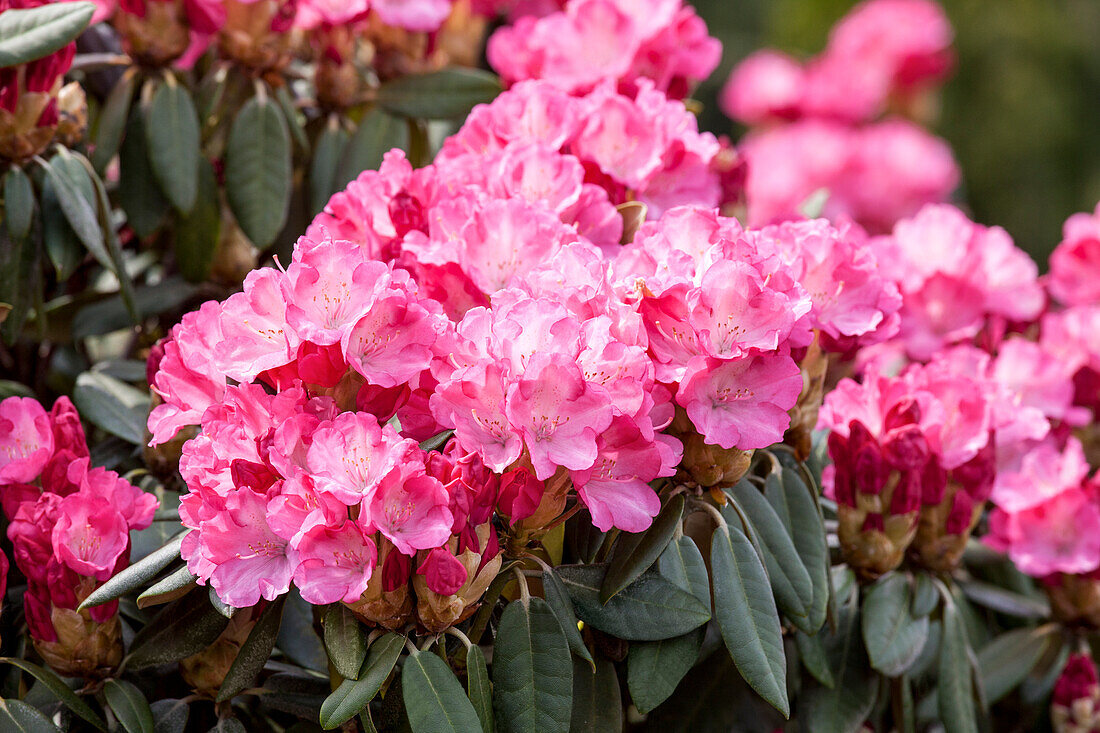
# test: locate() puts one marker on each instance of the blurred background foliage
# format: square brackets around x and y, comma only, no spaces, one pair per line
[1022,110]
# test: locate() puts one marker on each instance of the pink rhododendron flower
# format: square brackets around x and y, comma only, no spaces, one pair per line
[742,403]
[335,564]
[766,86]
[410,509]
[875,174]
[1061,534]
[1075,262]
[954,276]
[90,535]
[26,440]
[349,455]
[250,561]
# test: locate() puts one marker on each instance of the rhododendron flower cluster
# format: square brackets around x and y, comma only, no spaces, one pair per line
[69,524]
[591,41]
[816,125]
[961,282]
[913,461]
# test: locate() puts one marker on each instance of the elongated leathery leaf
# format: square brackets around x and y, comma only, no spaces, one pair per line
[789,578]
[893,635]
[597,703]
[26,35]
[433,697]
[255,651]
[137,575]
[353,695]
[258,170]
[558,597]
[747,616]
[345,640]
[648,609]
[129,706]
[58,687]
[532,670]
[636,553]
[478,688]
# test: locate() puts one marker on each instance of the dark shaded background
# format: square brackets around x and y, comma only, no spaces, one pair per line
[1022,110]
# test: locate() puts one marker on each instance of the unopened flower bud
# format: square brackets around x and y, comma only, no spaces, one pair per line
[72,108]
[1074,599]
[1075,704]
[465,575]
[386,601]
[83,647]
[155,32]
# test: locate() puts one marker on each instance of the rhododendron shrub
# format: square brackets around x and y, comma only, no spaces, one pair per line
[406,396]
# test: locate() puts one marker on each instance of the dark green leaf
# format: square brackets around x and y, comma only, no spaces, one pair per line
[655,668]
[532,670]
[446,94]
[176,585]
[925,595]
[354,694]
[129,706]
[649,609]
[326,158]
[844,707]
[1004,662]
[597,702]
[183,628]
[297,638]
[255,651]
[18,203]
[112,405]
[682,563]
[811,651]
[955,685]
[258,170]
[172,135]
[713,698]
[26,35]
[294,118]
[63,247]
[19,717]
[1005,601]
[144,204]
[478,688]
[746,614]
[170,716]
[14,389]
[196,237]
[377,134]
[635,553]
[112,120]
[790,581]
[75,197]
[113,246]
[110,314]
[136,575]
[583,537]
[20,282]
[58,687]
[893,636]
[434,698]
[345,640]
[558,598]
[793,502]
